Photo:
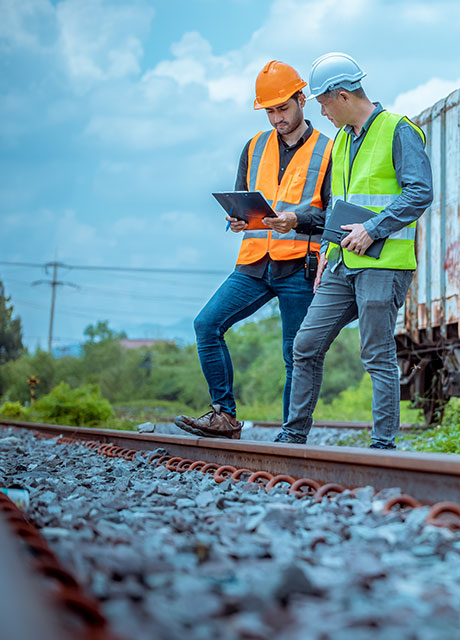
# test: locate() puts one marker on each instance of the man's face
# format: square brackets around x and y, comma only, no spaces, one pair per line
[286,117]
[335,109]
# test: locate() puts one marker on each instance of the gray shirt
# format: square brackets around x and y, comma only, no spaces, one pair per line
[413,173]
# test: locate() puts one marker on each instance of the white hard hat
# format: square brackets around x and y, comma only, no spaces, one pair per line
[334,70]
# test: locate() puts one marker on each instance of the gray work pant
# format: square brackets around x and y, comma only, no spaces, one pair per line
[374,296]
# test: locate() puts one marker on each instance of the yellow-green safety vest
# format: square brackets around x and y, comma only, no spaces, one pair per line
[372,183]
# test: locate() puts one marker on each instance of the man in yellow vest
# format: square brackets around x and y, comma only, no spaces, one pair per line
[378,162]
[290,164]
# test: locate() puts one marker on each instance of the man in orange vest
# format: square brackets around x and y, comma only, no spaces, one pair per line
[290,164]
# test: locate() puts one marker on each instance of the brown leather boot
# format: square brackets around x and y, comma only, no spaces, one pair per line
[214,424]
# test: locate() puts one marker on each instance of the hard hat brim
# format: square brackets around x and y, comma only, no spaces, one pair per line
[344,84]
[278,100]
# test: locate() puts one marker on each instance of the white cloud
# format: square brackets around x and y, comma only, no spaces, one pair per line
[120,143]
[131,225]
[73,236]
[226,78]
[306,24]
[136,132]
[412,102]
[100,40]
[28,24]
[231,87]
[25,221]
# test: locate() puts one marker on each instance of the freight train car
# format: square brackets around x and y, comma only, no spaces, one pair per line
[428,328]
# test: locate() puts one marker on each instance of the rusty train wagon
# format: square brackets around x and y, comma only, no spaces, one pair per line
[428,327]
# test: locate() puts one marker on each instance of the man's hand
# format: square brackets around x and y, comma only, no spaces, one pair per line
[319,272]
[358,240]
[236,225]
[283,223]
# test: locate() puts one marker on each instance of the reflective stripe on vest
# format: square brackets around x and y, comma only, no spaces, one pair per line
[373,184]
[253,164]
[298,192]
[290,235]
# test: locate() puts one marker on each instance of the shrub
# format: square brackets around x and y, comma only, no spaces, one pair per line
[444,438]
[74,407]
[13,410]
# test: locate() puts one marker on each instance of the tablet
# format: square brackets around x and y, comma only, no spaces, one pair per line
[249,206]
[346,213]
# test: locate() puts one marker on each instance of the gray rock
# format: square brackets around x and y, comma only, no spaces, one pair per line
[46,497]
[9,441]
[244,564]
[294,581]
[146,427]
[205,498]
[185,502]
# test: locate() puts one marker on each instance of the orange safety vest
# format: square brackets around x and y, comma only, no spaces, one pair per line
[298,191]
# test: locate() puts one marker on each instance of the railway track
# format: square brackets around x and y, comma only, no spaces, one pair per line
[427,477]
[319,530]
[329,424]
[40,599]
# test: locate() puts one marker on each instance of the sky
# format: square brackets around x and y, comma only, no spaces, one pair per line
[118,118]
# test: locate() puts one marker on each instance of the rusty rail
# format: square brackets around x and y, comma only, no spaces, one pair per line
[39,598]
[325,424]
[427,477]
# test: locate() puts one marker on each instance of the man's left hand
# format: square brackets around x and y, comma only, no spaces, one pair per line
[283,223]
[358,240]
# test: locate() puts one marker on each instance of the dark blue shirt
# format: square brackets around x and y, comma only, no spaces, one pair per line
[306,221]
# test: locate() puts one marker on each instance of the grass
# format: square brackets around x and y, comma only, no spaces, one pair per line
[443,438]
[352,404]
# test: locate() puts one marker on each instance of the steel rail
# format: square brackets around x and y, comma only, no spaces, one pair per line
[24,611]
[428,477]
[341,424]
[39,598]
[323,424]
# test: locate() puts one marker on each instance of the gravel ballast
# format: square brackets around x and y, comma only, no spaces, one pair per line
[172,555]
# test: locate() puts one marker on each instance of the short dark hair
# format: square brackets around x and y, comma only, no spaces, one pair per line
[333,93]
[296,95]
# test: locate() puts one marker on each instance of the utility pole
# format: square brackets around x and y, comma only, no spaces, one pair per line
[53,283]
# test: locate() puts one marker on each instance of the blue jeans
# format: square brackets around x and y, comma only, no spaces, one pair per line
[239,297]
[374,296]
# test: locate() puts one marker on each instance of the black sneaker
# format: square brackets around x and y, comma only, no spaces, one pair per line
[382,446]
[291,438]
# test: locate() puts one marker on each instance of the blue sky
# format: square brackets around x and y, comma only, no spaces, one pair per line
[119,118]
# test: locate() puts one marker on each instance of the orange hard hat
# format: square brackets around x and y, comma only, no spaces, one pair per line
[276,83]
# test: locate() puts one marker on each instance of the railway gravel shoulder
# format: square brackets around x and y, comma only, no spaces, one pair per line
[170,554]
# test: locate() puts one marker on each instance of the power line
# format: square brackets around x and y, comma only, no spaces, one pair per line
[88,288]
[54,283]
[23,264]
[77,313]
[120,269]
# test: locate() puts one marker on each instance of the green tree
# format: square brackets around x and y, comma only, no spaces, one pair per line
[259,371]
[14,375]
[101,331]
[104,361]
[11,346]
[342,366]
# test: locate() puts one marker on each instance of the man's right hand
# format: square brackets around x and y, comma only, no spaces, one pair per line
[236,225]
[319,272]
